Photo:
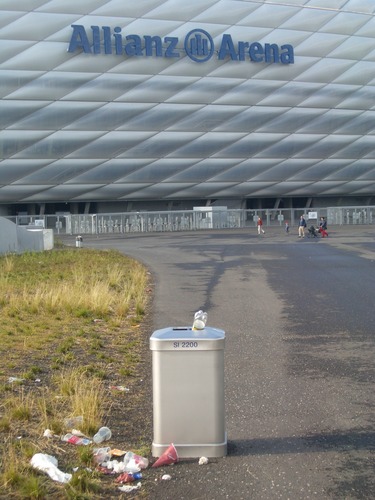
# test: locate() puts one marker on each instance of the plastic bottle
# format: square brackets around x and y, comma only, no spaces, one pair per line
[103,434]
[71,438]
[126,477]
[73,422]
[200,320]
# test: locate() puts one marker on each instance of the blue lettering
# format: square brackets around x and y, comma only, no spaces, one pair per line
[256,52]
[271,53]
[95,39]
[118,41]
[227,49]
[287,54]
[241,50]
[79,39]
[198,45]
[153,42]
[107,39]
[133,48]
[169,51]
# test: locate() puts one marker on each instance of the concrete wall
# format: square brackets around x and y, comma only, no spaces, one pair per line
[18,239]
[8,236]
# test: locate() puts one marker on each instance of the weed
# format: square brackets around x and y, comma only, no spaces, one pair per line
[83,313]
[139,309]
[85,455]
[8,265]
[126,372]
[4,424]
[96,371]
[82,485]
[26,448]
[66,345]
[32,372]
[33,487]
[96,344]
[82,395]
[19,407]
[16,472]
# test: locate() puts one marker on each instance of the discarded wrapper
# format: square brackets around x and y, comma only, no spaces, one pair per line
[11,380]
[77,432]
[126,477]
[105,470]
[120,388]
[116,452]
[48,433]
[127,488]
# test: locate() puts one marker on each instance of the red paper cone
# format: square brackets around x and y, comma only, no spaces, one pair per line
[170,456]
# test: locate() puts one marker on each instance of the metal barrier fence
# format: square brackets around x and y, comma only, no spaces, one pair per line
[192,220]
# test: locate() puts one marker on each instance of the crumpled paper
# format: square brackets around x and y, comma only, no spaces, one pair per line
[48,464]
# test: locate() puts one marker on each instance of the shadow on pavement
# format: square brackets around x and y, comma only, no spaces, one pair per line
[335,441]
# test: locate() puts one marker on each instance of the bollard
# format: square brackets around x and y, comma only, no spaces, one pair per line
[79,241]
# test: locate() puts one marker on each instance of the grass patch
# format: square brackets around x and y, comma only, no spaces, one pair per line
[69,332]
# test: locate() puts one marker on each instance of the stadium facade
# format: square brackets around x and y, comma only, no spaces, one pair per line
[113,105]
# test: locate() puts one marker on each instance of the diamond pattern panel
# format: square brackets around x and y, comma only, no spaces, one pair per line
[86,127]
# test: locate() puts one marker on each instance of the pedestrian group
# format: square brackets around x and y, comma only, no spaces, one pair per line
[301,227]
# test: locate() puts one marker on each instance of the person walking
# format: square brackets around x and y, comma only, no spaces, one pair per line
[301,227]
[260,225]
[323,227]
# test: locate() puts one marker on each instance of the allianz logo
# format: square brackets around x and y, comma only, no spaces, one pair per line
[198,45]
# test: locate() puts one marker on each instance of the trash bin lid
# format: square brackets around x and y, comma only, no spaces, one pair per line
[184,338]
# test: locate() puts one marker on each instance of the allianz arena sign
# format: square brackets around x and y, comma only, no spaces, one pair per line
[198,45]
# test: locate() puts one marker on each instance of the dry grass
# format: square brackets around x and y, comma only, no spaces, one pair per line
[69,331]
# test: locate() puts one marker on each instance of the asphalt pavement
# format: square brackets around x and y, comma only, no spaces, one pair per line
[299,358]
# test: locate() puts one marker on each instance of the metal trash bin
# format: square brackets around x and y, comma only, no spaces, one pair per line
[79,241]
[188,391]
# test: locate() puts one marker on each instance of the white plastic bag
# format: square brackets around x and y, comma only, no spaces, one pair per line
[48,464]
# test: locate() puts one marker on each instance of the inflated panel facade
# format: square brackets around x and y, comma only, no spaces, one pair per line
[169,100]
